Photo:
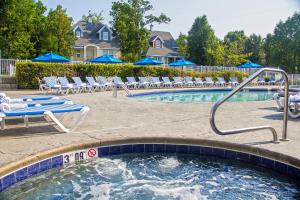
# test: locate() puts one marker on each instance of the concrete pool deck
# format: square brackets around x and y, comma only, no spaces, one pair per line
[125,118]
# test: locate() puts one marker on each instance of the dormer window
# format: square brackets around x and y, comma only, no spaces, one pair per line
[158,44]
[105,33]
[105,36]
[78,33]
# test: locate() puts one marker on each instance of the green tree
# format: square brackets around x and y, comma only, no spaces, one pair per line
[284,45]
[204,48]
[93,17]
[267,46]
[182,43]
[237,37]
[254,47]
[234,45]
[19,27]
[129,22]
[59,37]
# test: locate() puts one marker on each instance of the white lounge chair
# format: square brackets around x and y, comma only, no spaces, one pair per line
[144,82]
[221,81]
[294,103]
[155,82]
[233,81]
[294,106]
[48,111]
[93,83]
[178,82]
[26,98]
[118,81]
[132,83]
[188,81]
[279,97]
[66,84]
[273,81]
[167,82]
[51,85]
[23,103]
[198,81]
[78,82]
[103,81]
[209,82]
[261,81]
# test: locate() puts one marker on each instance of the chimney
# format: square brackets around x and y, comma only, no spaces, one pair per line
[151,27]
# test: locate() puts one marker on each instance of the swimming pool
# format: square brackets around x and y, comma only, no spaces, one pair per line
[156,176]
[198,96]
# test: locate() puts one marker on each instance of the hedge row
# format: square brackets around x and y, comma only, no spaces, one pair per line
[28,73]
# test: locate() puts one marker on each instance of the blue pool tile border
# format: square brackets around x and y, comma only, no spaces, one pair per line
[197,150]
[196,90]
[34,169]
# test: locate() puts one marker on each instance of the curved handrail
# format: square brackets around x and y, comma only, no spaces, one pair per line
[115,89]
[242,130]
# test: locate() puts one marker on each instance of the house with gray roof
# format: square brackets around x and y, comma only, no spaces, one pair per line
[94,40]
[163,47]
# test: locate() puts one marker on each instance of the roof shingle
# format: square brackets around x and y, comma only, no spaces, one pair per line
[170,46]
[90,36]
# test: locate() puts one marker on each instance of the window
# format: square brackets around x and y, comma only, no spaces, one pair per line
[105,36]
[78,33]
[105,51]
[109,52]
[157,44]
[77,53]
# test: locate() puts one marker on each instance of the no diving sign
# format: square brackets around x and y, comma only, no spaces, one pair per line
[80,155]
[92,153]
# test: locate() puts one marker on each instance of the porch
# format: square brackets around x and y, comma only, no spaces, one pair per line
[82,54]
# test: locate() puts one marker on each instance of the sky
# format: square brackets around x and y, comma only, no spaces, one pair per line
[252,16]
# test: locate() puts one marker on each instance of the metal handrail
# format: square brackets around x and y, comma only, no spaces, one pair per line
[115,90]
[242,130]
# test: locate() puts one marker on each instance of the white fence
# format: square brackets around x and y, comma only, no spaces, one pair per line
[221,68]
[8,68]
[294,79]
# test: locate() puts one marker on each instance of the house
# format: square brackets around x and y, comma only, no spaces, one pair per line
[94,40]
[163,47]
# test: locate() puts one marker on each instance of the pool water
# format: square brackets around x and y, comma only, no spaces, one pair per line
[155,176]
[207,96]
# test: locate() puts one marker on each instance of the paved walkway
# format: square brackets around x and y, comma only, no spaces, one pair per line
[124,117]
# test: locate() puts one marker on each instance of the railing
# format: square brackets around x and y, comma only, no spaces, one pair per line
[7,67]
[115,90]
[294,79]
[258,128]
[221,68]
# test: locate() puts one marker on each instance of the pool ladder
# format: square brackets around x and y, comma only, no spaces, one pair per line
[115,90]
[258,128]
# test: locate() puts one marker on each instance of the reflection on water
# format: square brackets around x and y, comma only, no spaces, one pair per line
[208,96]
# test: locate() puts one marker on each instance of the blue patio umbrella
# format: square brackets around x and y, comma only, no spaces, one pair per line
[249,65]
[51,57]
[108,59]
[148,61]
[181,63]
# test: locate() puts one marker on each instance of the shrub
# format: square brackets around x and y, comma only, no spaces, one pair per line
[267,79]
[28,73]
